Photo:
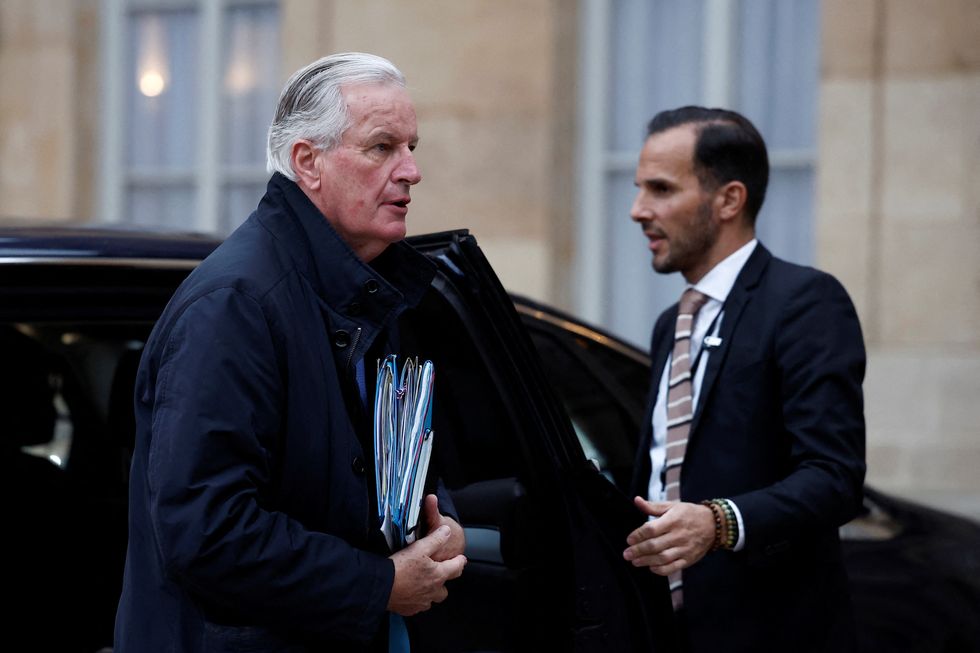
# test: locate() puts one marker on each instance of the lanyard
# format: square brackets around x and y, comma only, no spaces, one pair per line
[712,332]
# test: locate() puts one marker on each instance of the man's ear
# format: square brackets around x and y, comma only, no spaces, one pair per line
[302,156]
[730,200]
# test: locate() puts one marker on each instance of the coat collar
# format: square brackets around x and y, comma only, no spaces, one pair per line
[357,295]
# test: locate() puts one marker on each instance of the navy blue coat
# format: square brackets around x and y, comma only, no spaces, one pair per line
[252,517]
[779,430]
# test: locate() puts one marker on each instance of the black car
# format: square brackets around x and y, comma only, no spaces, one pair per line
[537,419]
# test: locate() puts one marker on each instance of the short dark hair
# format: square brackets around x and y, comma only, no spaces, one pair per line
[728,148]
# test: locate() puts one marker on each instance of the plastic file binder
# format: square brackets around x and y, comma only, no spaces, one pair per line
[402,445]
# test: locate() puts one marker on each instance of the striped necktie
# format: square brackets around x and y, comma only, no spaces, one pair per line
[680,410]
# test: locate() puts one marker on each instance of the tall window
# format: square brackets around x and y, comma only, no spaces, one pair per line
[759,57]
[191,86]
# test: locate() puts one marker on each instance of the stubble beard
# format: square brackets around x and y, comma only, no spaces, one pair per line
[690,246]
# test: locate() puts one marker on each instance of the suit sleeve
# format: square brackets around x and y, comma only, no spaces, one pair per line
[216,420]
[820,361]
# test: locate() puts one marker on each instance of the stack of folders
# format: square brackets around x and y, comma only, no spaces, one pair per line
[402,446]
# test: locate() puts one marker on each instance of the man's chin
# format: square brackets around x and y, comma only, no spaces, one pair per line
[391,231]
[396,232]
[664,265]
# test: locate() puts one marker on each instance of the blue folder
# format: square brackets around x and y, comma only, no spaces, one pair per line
[402,445]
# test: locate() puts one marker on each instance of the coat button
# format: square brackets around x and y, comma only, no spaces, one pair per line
[341,339]
[372,286]
[357,465]
[354,309]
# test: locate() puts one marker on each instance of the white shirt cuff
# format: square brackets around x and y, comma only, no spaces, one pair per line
[740,544]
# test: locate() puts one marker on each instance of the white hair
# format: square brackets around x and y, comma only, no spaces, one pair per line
[312,104]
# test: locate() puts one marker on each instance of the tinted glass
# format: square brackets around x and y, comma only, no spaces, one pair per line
[66,425]
[603,390]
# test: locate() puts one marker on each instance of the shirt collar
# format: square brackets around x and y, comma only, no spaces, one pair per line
[720,279]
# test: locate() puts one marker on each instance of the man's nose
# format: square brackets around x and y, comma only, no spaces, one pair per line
[640,211]
[407,171]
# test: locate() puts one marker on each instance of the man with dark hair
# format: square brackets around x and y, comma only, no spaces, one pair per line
[752,452]
[252,523]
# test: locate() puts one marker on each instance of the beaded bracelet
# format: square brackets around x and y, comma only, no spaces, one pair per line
[726,524]
[719,519]
[731,522]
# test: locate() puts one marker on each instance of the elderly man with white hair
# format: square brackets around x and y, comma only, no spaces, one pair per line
[252,510]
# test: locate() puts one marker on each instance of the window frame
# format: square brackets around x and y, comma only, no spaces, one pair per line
[208,175]
[598,161]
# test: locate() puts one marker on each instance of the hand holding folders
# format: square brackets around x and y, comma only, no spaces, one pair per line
[402,446]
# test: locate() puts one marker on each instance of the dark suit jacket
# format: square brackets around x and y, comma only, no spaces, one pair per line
[779,430]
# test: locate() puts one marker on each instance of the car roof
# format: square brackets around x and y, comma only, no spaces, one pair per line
[136,246]
[24,244]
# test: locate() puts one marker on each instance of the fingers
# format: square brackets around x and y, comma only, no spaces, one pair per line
[650,530]
[646,547]
[430,507]
[455,545]
[667,570]
[662,555]
[669,543]
[641,534]
[651,546]
[428,545]
[431,547]
[452,568]
[662,562]
[439,596]
[653,508]
[419,580]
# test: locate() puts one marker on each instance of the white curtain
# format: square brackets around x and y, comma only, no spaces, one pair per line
[163,177]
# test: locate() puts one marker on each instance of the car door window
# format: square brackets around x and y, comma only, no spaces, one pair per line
[603,390]
[65,464]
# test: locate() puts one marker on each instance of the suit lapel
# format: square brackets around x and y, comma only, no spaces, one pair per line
[739,296]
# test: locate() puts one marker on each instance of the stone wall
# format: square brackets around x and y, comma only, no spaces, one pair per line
[49,81]
[899,223]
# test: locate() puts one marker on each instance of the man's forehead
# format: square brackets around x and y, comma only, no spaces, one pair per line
[674,141]
[380,107]
[673,149]
[369,98]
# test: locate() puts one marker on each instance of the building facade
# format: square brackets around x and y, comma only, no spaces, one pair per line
[531,114]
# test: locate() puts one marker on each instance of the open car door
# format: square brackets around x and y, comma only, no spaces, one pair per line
[545,529]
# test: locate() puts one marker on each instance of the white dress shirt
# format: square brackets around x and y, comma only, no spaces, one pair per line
[716,284]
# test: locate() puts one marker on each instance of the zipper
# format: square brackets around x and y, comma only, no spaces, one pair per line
[353,347]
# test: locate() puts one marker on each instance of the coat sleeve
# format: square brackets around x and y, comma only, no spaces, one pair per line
[820,361]
[216,420]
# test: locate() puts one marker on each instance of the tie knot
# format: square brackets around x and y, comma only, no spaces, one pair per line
[691,302]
